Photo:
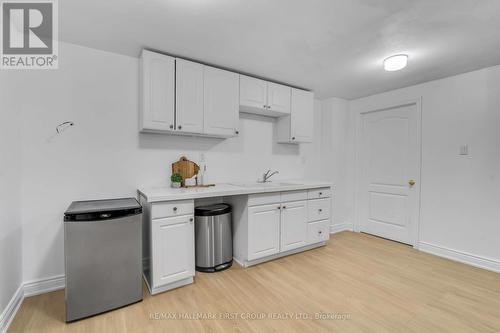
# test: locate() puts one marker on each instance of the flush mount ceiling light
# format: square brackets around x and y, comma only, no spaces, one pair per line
[396,62]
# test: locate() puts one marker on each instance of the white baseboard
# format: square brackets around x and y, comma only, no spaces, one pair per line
[37,287]
[335,228]
[463,257]
[10,310]
[27,289]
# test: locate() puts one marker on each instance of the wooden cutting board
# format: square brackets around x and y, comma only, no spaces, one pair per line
[186,168]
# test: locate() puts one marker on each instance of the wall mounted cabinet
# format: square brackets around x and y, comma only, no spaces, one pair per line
[264,98]
[298,126]
[187,98]
[157,92]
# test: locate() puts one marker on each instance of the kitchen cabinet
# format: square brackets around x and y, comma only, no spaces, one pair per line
[221,102]
[168,244]
[173,249]
[263,231]
[271,225]
[263,97]
[298,126]
[157,92]
[189,96]
[293,225]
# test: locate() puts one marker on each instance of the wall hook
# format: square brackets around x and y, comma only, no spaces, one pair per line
[63,126]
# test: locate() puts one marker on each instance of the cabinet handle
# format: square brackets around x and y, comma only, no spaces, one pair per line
[236,132]
[179,127]
[320,210]
[284,207]
[320,232]
[293,138]
[264,106]
[279,207]
[175,209]
[171,126]
[320,193]
[191,219]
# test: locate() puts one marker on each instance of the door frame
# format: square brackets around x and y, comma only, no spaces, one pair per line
[415,228]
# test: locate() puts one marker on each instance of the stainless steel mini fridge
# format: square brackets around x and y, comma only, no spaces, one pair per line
[103,256]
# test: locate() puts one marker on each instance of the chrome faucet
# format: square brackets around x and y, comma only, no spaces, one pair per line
[267,175]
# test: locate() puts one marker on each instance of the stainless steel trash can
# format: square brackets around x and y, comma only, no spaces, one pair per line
[214,239]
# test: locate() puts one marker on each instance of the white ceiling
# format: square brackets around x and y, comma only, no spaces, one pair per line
[334,47]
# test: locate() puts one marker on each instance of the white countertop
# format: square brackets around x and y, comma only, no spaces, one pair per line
[155,194]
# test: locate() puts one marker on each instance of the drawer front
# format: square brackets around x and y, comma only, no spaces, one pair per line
[172,208]
[293,196]
[264,199]
[319,193]
[318,231]
[319,209]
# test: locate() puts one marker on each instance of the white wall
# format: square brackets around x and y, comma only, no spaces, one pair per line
[104,155]
[460,195]
[10,200]
[336,136]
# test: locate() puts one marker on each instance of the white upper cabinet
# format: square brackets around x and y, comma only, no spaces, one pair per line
[221,102]
[298,127]
[189,96]
[263,97]
[278,98]
[253,93]
[157,92]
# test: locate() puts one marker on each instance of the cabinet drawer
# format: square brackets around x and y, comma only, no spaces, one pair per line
[319,193]
[318,231]
[172,208]
[318,209]
[293,196]
[264,199]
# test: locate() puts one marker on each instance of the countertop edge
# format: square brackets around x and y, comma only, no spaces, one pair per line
[225,192]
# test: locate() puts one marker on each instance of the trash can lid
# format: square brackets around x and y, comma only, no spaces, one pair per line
[212,210]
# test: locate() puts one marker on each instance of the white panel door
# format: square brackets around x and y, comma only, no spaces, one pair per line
[263,231]
[302,116]
[189,96]
[253,92]
[158,87]
[293,225]
[389,165]
[221,102]
[278,97]
[173,249]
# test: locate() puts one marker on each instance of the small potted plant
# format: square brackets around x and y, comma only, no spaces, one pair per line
[176,180]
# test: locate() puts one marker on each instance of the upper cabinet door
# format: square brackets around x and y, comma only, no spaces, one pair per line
[221,102]
[189,96]
[302,116]
[253,92]
[158,87]
[278,98]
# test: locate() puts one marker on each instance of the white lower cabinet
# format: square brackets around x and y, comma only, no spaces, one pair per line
[263,231]
[173,249]
[267,226]
[293,225]
[168,244]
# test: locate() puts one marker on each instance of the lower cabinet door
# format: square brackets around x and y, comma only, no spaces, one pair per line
[293,225]
[263,231]
[173,249]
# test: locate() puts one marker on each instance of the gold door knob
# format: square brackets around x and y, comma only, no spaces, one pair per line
[411,182]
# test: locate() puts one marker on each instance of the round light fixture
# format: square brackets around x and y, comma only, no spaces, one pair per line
[396,62]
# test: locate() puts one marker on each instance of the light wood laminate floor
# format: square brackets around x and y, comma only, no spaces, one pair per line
[371,284]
